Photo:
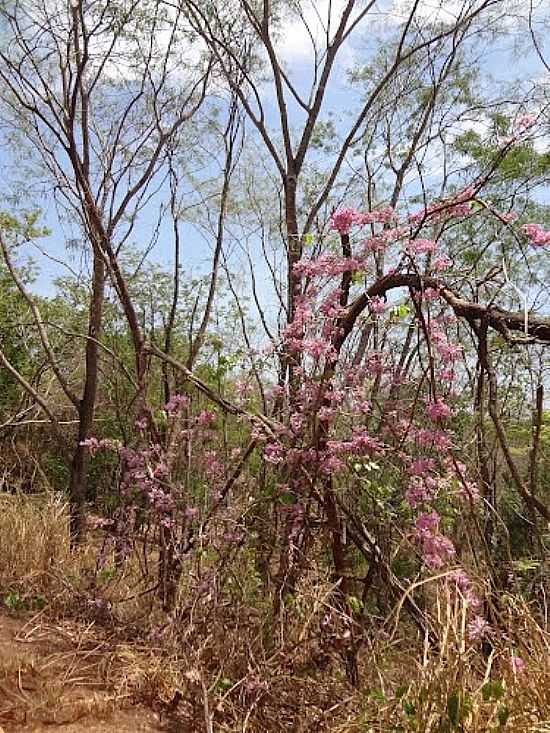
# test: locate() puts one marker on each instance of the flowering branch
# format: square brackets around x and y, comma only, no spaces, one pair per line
[537,328]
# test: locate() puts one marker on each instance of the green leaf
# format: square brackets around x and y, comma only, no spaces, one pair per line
[503,714]
[498,689]
[401,311]
[377,694]
[356,604]
[224,683]
[409,708]
[14,602]
[287,497]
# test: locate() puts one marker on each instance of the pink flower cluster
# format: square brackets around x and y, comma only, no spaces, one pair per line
[420,246]
[420,490]
[439,440]
[436,549]
[449,208]
[477,629]
[327,266]
[448,351]
[461,583]
[176,403]
[538,236]
[517,664]
[361,443]
[438,409]
[94,445]
[525,121]
[343,219]
[314,347]
[441,262]
[420,466]
[382,239]
[377,305]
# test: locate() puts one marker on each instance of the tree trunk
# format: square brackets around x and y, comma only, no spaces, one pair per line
[79,467]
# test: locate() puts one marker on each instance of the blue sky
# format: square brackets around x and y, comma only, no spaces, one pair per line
[295,48]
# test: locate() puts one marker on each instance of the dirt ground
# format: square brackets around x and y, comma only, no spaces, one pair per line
[51,679]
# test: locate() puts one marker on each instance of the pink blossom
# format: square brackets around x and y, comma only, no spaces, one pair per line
[327,414]
[458,210]
[446,375]
[361,443]
[463,583]
[477,628]
[436,549]
[452,207]
[460,579]
[328,265]
[439,439]
[418,491]
[94,445]
[420,466]
[465,194]
[243,389]
[525,121]
[316,347]
[468,490]
[437,409]
[538,236]
[374,244]
[331,464]
[296,422]
[427,522]
[382,216]
[377,304]
[431,294]
[420,246]
[517,665]
[175,403]
[213,464]
[205,417]
[343,219]
[99,522]
[273,453]
[441,262]
[509,217]
[362,406]
[445,349]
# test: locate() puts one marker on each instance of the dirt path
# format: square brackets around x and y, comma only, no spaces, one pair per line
[51,679]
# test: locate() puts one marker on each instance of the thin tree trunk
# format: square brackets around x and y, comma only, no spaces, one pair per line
[79,467]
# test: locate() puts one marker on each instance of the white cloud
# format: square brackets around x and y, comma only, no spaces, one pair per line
[305,30]
[443,11]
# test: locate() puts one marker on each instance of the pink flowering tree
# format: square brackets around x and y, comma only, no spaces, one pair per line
[356,415]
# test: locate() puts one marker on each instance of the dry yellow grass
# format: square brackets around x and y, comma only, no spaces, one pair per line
[34,540]
[215,667]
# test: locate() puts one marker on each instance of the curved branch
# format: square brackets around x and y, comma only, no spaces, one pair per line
[533,328]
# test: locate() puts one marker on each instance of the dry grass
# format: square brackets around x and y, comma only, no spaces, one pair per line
[34,541]
[219,663]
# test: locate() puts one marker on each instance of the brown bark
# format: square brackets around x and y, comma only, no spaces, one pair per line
[86,408]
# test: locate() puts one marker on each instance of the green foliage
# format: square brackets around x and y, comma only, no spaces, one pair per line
[15,338]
